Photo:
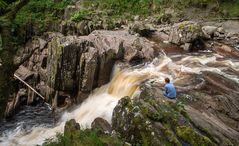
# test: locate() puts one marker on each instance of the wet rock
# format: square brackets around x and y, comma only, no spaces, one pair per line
[71,128]
[9,111]
[101,124]
[14,104]
[223,49]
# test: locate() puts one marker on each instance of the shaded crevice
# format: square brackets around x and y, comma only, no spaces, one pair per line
[96,74]
[75,73]
[44,63]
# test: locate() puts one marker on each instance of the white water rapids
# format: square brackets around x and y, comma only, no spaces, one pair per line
[125,83]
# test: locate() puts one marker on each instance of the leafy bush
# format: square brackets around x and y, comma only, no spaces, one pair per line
[3,6]
[231,8]
[79,16]
[87,137]
[40,11]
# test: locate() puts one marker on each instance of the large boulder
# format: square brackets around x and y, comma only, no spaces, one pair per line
[150,122]
[71,128]
[185,32]
[102,125]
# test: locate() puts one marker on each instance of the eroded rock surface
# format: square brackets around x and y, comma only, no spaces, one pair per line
[151,122]
[195,118]
[75,65]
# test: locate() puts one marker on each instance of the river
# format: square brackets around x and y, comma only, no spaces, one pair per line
[32,125]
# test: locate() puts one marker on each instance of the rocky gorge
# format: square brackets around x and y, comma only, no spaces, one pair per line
[109,82]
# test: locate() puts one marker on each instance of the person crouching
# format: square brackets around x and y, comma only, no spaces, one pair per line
[169,89]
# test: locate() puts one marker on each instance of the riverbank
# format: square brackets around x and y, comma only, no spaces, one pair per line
[103,64]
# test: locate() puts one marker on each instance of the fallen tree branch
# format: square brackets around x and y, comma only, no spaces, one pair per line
[29,86]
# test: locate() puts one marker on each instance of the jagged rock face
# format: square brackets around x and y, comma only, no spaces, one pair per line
[220,109]
[211,118]
[77,65]
[80,64]
[150,122]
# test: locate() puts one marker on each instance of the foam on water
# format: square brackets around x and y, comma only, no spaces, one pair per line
[124,83]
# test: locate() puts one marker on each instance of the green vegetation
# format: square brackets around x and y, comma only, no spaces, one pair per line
[117,7]
[114,10]
[156,123]
[74,136]
[231,9]
[87,137]
[189,135]
[41,12]
[3,6]
[17,18]
[79,16]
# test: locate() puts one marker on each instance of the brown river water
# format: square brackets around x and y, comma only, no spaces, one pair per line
[180,68]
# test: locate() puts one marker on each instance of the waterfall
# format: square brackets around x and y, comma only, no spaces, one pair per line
[125,83]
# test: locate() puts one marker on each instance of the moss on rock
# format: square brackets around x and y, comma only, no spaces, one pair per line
[74,136]
[148,122]
[190,136]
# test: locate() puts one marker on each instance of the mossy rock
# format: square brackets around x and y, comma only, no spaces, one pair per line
[146,121]
[189,135]
[74,136]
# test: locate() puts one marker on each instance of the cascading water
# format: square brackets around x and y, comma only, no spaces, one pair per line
[126,83]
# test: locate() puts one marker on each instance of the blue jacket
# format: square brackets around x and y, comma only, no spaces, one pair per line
[170,91]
